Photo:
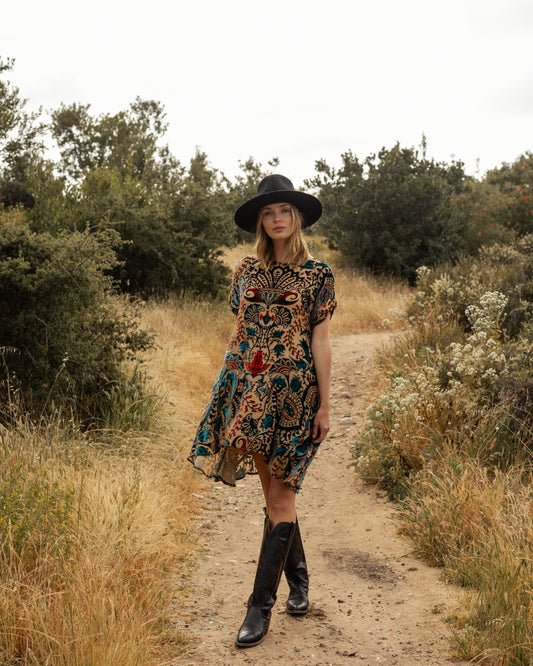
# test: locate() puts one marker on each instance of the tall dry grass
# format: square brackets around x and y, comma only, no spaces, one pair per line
[192,337]
[101,589]
[478,525]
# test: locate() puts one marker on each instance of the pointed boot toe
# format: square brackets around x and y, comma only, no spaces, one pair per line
[297,603]
[253,629]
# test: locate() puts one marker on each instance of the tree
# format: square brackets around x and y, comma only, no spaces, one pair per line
[128,141]
[21,143]
[512,185]
[520,173]
[393,212]
[171,219]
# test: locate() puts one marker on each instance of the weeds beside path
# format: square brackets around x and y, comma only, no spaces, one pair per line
[372,602]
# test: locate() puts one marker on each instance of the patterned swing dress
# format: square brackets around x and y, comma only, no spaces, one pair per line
[266,396]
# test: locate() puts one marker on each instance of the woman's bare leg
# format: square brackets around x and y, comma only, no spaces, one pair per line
[280,499]
[264,476]
[282,503]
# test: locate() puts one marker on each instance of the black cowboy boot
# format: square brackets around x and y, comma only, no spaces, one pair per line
[297,577]
[269,569]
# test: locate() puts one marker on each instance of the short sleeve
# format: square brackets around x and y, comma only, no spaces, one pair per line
[236,285]
[325,302]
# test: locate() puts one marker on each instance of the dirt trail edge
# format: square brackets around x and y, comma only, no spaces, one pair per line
[372,602]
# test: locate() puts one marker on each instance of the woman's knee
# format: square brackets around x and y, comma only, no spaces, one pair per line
[282,500]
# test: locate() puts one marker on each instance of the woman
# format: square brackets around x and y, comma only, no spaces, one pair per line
[269,410]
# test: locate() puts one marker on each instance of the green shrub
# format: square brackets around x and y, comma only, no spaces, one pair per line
[445,293]
[393,212]
[170,233]
[444,396]
[63,338]
[35,513]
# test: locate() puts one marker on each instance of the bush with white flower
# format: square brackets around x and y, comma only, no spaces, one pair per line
[439,396]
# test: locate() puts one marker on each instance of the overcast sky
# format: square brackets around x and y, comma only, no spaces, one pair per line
[296,79]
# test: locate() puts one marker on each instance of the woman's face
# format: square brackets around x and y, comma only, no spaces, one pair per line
[277,221]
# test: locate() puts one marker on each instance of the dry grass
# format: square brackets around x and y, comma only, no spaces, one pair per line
[479,526]
[105,594]
[192,336]
[367,304]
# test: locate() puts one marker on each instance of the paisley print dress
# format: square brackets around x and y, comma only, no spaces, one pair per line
[266,395]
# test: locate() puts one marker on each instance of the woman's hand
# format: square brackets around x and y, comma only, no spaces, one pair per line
[321,424]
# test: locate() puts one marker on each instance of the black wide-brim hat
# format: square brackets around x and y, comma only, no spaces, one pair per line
[277,189]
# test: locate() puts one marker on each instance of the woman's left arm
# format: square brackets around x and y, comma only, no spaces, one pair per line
[321,350]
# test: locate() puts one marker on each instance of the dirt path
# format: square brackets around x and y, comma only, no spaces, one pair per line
[371,601]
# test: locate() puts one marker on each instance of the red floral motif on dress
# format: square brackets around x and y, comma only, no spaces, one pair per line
[257,364]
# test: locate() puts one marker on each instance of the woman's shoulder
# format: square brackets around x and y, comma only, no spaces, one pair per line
[319,266]
[246,260]
[243,264]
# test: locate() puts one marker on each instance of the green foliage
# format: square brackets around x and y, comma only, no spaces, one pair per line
[446,292]
[35,513]
[63,339]
[20,143]
[127,141]
[494,212]
[172,221]
[170,237]
[10,102]
[482,213]
[393,212]
[517,174]
[514,184]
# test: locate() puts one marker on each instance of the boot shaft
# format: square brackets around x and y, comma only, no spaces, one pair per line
[271,563]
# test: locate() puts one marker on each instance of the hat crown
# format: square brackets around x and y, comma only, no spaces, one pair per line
[274,183]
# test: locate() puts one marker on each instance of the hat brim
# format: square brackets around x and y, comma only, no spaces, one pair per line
[307,204]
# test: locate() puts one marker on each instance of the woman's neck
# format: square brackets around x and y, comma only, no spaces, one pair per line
[281,252]
[281,249]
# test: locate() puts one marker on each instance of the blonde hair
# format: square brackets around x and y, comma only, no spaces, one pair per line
[297,250]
